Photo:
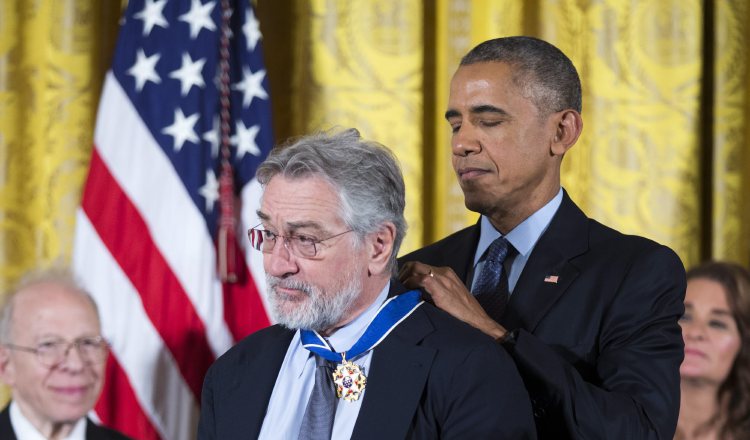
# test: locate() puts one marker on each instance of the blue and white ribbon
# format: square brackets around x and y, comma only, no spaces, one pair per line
[390,314]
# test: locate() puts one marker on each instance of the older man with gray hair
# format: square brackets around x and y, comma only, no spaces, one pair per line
[52,355]
[354,355]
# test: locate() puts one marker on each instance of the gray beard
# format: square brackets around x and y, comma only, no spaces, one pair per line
[320,311]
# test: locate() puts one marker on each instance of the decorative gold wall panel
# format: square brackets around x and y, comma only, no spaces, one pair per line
[53,55]
[635,168]
[385,67]
[640,63]
[731,140]
[360,64]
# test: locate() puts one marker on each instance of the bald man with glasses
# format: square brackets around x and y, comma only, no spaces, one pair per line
[52,355]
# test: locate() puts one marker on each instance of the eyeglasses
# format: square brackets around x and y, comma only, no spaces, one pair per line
[51,353]
[303,246]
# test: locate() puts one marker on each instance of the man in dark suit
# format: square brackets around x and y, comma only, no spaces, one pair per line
[331,224]
[52,356]
[589,315]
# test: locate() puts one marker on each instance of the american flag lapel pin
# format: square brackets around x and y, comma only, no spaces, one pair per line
[551,279]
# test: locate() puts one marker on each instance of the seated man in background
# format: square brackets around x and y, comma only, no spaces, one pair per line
[52,355]
[331,225]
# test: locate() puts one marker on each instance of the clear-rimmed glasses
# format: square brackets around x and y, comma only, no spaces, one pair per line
[92,350]
[304,246]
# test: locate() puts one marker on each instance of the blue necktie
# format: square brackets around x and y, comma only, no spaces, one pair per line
[491,287]
[317,423]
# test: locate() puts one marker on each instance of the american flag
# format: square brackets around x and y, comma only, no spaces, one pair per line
[146,234]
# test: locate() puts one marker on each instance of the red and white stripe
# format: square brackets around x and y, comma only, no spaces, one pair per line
[144,252]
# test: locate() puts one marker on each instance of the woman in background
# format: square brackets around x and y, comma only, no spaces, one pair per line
[715,374]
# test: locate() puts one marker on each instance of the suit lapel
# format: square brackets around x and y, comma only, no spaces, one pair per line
[456,252]
[6,429]
[398,374]
[254,385]
[535,293]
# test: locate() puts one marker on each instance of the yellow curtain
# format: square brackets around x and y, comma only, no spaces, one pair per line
[52,58]
[53,55]
[729,184]
[354,63]
[665,151]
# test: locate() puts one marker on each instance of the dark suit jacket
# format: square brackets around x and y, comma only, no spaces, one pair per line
[600,349]
[93,431]
[432,377]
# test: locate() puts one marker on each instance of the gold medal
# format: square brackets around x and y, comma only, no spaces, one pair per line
[349,379]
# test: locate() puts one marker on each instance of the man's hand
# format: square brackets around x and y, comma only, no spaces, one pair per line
[449,293]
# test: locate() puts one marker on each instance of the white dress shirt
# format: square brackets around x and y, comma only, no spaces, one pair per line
[523,238]
[26,431]
[297,377]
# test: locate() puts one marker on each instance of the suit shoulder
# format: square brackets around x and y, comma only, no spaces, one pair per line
[100,432]
[256,343]
[614,256]
[451,333]
[464,237]
[609,240]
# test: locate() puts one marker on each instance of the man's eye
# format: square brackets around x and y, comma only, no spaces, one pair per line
[455,127]
[268,235]
[490,123]
[88,343]
[48,345]
[305,240]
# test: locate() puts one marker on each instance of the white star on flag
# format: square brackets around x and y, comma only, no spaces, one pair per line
[251,86]
[199,17]
[156,174]
[190,73]
[212,137]
[210,190]
[244,140]
[182,129]
[251,29]
[152,15]
[144,69]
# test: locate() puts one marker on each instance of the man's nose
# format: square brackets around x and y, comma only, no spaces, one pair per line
[464,142]
[73,359]
[280,261]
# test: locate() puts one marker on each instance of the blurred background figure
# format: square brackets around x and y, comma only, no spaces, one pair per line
[52,357]
[715,385]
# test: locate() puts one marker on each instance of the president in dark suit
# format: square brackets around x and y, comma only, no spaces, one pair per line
[589,315]
[331,224]
[52,356]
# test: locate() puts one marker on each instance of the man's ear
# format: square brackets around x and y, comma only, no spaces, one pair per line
[7,369]
[380,247]
[569,125]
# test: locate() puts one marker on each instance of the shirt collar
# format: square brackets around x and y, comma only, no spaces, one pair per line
[23,428]
[524,236]
[345,337]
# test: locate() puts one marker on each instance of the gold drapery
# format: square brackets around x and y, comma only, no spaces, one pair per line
[53,55]
[665,151]
[666,104]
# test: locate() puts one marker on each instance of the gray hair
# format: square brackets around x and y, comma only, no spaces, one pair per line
[541,70]
[365,174]
[58,276]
